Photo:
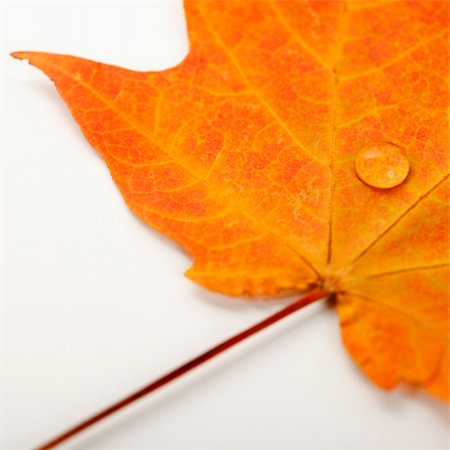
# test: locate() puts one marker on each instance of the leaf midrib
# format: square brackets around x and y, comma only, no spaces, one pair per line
[336,79]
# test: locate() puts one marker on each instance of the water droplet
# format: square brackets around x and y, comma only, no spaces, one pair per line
[382,165]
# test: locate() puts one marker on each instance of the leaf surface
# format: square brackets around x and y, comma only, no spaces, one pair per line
[244,154]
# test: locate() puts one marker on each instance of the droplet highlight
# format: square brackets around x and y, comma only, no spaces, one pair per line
[382,165]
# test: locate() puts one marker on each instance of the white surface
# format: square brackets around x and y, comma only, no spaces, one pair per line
[95,304]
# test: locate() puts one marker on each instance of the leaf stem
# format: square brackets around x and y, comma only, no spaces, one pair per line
[183,369]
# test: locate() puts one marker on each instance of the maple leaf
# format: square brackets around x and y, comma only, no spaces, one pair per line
[245,155]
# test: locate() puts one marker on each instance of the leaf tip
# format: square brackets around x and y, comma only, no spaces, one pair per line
[19,55]
[25,55]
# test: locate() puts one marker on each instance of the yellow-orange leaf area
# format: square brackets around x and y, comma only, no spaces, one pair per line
[245,155]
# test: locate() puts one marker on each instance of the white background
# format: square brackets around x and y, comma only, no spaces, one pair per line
[94,304]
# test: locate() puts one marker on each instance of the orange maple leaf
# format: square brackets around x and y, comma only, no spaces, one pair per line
[245,155]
